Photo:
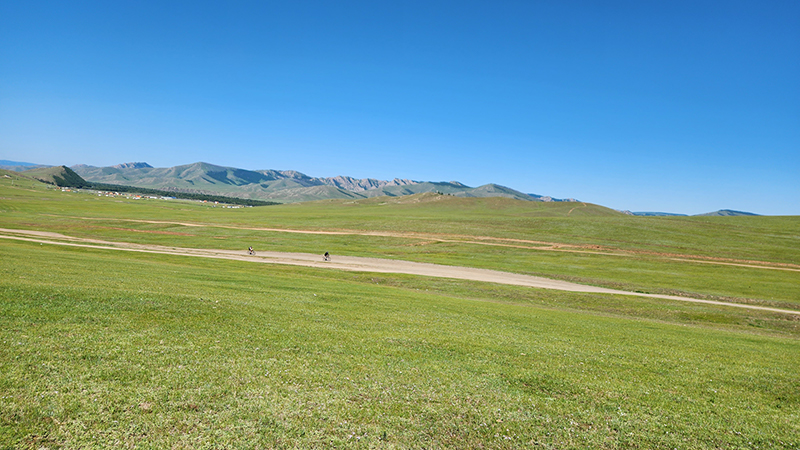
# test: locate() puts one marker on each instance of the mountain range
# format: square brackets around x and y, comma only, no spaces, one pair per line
[282,186]
[285,186]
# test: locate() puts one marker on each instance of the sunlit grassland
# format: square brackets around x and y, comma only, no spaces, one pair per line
[647,265]
[775,239]
[114,349]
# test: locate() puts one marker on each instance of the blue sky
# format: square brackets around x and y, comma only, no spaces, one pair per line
[683,107]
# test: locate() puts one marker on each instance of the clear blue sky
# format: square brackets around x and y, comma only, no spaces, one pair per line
[686,106]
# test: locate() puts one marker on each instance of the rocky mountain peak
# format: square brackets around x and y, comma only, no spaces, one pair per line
[133,165]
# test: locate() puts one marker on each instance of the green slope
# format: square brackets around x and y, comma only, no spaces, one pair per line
[9,174]
[61,176]
[105,349]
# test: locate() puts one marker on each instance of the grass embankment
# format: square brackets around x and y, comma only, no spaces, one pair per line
[108,349]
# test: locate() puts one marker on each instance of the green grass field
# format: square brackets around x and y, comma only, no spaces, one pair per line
[445,230]
[114,349]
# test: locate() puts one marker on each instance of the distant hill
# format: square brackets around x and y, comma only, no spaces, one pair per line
[547,198]
[57,175]
[485,207]
[652,214]
[133,165]
[63,176]
[14,175]
[5,162]
[17,166]
[722,212]
[286,186]
[728,212]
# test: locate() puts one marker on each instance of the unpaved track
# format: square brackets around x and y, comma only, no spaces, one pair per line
[427,238]
[357,264]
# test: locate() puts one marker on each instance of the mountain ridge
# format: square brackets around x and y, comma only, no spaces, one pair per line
[289,186]
[286,186]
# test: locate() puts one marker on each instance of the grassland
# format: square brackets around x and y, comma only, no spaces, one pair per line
[571,241]
[107,349]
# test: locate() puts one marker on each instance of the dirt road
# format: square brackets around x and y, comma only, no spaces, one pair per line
[358,264]
[426,238]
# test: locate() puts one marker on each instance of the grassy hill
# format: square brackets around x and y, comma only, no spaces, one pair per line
[111,348]
[728,212]
[57,175]
[8,174]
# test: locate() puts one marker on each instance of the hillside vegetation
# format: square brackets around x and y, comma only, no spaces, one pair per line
[58,175]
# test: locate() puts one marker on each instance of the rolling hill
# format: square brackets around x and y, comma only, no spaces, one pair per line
[728,212]
[57,175]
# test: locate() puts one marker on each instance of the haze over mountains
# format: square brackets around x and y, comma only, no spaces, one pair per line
[283,186]
[17,166]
